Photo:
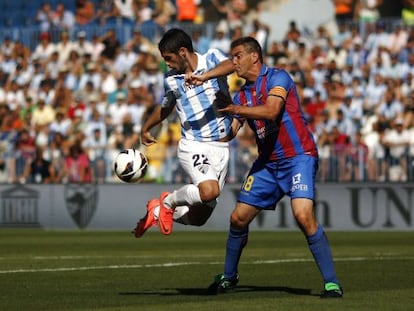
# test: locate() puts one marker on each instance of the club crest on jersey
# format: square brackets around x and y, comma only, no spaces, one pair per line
[203,168]
[188,86]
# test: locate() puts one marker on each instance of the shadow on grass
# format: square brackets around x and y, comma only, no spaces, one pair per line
[238,289]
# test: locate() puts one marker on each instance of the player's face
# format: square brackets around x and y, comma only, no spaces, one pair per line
[174,61]
[242,60]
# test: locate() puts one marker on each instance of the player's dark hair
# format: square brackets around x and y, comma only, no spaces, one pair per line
[250,44]
[173,40]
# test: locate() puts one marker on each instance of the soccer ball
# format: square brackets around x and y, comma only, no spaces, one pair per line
[130,165]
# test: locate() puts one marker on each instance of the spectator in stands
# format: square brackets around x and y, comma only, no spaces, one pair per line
[221,39]
[24,150]
[126,9]
[20,51]
[47,92]
[84,12]
[139,43]
[397,140]
[43,114]
[52,66]
[352,108]
[356,54]
[378,37]
[373,94]
[96,48]
[39,170]
[358,159]
[111,43]
[64,47]
[76,168]
[63,19]
[96,145]
[376,162]
[319,74]
[398,39]
[345,125]
[165,11]
[108,82]
[389,108]
[138,101]
[344,11]
[119,109]
[235,11]
[367,10]
[337,54]
[342,36]
[186,10]
[83,46]
[104,11]
[292,37]
[121,87]
[125,60]
[44,17]
[91,74]
[7,46]
[88,92]
[44,49]
[393,69]
[8,65]
[276,51]
[61,124]
[201,43]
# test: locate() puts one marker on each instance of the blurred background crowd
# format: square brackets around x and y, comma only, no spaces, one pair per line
[78,77]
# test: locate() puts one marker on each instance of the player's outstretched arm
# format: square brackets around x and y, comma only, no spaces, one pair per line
[268,111]
[157,116]
[223,69]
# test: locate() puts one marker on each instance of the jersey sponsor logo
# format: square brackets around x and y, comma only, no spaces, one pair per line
[297,185]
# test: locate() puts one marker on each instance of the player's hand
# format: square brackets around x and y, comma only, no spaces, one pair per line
[230,109]
[147,139]
[194,79]
[222,100]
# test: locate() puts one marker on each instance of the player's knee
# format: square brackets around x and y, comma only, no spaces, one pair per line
[209,192]
[237,222]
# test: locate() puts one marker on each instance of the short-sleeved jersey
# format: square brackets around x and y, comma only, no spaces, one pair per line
[199,118]
[289,135]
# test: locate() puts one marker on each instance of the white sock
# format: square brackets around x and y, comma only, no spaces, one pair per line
[187,195]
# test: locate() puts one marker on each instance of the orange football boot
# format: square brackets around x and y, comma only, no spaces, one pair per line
[165,219]
[149,219]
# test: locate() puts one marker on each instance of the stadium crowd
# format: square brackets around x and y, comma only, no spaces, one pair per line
[72,102]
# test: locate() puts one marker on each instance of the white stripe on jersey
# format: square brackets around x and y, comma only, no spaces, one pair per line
[194,104]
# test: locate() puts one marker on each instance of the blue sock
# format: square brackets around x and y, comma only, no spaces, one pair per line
[236,241]
[321,251]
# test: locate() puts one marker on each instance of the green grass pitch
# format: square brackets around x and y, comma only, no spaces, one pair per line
[111,270]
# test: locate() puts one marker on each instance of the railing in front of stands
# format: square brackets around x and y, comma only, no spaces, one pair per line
[335,165]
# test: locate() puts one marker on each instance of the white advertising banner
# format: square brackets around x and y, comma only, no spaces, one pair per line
[339,206]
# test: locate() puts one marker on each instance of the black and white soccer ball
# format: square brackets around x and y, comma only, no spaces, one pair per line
[130,165]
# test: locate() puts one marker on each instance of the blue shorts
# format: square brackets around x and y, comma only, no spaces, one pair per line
[268,182]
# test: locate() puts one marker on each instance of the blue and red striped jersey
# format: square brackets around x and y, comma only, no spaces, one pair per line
[289,135]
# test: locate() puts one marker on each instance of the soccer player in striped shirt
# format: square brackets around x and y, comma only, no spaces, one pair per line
[286,165]
[203,150]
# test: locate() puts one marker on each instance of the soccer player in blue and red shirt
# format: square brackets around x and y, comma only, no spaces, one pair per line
[286,165]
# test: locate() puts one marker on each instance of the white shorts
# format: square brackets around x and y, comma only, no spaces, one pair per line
[204,160]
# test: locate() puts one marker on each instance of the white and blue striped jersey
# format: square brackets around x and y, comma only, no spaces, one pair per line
[199,118]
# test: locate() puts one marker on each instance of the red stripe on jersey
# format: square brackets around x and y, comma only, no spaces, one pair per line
[285,142]
[306,141]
